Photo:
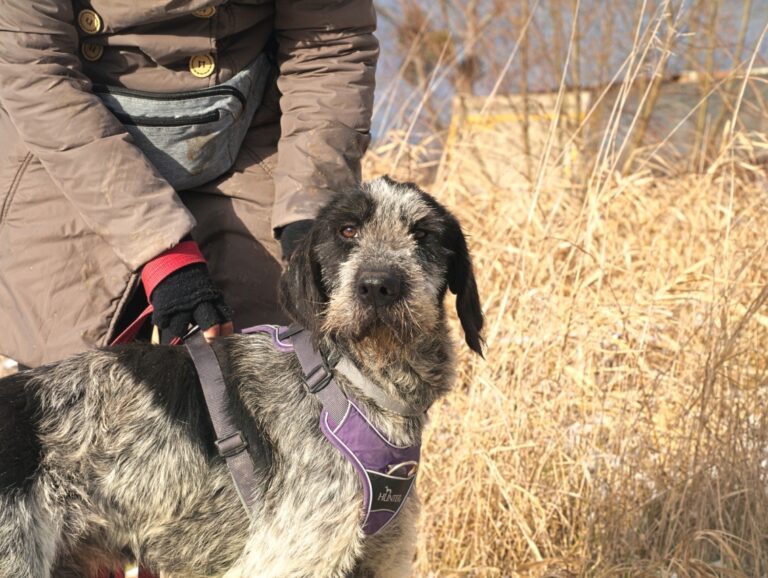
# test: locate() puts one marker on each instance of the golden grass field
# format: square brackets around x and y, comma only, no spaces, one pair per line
[617,425]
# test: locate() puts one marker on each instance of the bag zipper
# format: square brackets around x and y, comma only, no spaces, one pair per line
[127,119]
[203,93]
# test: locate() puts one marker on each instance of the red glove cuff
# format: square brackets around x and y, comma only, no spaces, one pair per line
[183,254]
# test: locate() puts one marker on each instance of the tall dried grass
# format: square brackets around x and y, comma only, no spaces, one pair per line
[617,426]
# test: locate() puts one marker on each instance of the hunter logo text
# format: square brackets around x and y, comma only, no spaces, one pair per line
[387,496]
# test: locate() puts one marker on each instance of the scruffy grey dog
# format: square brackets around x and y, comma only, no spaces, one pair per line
[109,455]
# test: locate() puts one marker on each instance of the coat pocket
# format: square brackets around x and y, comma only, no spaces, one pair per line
[7,200]
[191,137]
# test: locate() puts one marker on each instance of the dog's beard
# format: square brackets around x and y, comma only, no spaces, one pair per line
[400,323]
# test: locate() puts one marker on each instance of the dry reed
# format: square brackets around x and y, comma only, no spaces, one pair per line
[617,426]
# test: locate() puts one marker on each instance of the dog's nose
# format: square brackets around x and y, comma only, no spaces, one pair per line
[379,288]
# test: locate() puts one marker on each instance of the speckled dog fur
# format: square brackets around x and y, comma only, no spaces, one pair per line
[109,455]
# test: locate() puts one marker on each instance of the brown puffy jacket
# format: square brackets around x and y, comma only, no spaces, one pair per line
[81,208]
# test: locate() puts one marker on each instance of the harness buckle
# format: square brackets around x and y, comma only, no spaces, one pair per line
[231,445]
[289,331]
[317,379]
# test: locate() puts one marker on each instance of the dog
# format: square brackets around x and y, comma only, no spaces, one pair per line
[109,456]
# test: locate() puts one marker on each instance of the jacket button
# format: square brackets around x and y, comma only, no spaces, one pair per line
[202,65]
[92,52]
[89,21]
[206,12]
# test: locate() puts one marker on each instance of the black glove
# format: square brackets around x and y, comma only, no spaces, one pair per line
[187,296]
[291,234]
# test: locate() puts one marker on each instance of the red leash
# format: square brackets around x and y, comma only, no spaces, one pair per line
[130,332]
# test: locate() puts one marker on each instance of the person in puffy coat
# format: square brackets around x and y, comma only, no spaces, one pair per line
[145,136]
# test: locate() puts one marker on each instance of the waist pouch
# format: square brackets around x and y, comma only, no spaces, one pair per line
[191,137]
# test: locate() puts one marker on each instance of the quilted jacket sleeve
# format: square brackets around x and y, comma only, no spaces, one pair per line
[327,54]
[85,150]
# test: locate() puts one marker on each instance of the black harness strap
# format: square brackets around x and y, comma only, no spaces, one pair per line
[318,376]
[230,441]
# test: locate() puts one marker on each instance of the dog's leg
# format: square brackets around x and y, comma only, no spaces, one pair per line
[389,554]
[71,568]
[28,538]
[312,533]
[294,558]
[390,557]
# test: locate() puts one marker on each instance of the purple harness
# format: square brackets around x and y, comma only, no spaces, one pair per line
[386,471]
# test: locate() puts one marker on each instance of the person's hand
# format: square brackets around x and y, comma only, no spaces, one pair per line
[187,297]
[182,293]
[219,330]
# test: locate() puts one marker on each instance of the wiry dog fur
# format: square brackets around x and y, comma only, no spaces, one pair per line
[109,455]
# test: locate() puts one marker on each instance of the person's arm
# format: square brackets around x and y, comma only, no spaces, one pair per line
[94,162]
[82,146]
[327,54]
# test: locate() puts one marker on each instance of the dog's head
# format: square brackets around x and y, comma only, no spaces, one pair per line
[381,258]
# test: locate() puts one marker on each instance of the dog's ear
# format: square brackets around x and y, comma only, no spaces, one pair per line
[461,281]
[301,294]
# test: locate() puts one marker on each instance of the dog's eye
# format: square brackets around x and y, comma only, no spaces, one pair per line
[349,232]
[420,234]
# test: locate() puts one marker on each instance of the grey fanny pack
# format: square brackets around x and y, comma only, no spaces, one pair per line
[191,137]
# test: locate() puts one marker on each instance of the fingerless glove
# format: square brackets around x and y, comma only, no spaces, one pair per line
[182,292]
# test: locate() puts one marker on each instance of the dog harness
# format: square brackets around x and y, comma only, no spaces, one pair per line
[386,471]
